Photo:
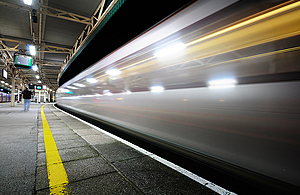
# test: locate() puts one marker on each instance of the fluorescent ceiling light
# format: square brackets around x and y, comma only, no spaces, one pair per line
[113,72]
[157,89]
[39,81]
[44,87]
[221,84]
[32,50]
[171,49]
[28,2]
[92,80]
[37,76]
[35,67]
[78,84]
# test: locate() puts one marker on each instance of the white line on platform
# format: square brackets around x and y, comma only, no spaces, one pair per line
[183,171]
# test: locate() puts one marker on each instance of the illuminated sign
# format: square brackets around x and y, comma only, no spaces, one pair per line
[23,61]
[4,73]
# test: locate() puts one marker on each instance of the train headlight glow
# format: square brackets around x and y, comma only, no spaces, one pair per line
[171,49]
[221,84]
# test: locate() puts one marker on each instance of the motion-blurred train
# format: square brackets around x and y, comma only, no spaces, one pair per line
[219,81]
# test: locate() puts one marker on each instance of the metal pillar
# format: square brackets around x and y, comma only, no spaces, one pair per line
[23,87]
[12,97]
[19,95]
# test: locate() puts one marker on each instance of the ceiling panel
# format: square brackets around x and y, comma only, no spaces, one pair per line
[62,32]
[84,8]
[14,22]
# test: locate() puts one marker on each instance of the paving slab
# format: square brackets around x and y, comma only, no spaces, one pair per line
[117,151]
[98,139]
[87,168]
[89,131]
[77,125]
[71,154]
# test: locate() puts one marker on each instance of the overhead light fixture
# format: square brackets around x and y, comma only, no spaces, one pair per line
[32,50]
[157,89]
[28,2]
[37,76]
[35,68]
[92,80]
[113,72]
[44,86]
[171,49]
[222,83]
[4,73]
[39,81]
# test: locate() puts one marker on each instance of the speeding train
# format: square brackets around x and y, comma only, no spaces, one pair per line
[218,81]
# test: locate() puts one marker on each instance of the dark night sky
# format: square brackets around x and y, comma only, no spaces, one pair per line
[132,19]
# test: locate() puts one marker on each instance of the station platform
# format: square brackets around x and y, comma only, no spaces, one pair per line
[46,151]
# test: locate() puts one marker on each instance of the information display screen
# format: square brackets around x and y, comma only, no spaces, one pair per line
[23,61]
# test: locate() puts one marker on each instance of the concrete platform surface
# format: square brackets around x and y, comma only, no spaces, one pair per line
[95,163]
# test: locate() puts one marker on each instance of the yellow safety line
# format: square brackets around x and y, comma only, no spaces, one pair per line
[57,176]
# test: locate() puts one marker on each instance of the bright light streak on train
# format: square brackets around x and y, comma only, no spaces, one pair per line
[157,89]
[92,80]
[169,50]
[221,84]
[79,84]
[71,87]
[113,72]
[63,90]
[247,22]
